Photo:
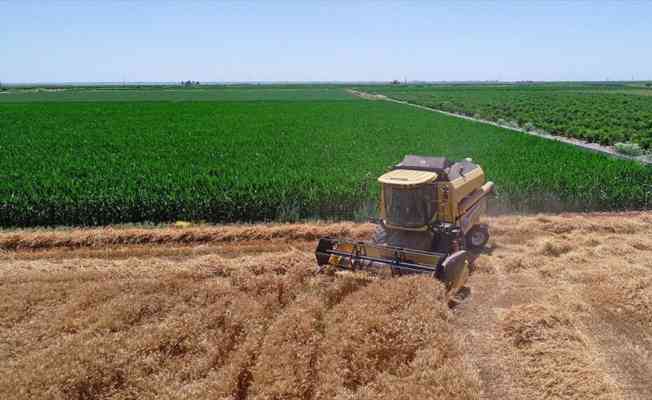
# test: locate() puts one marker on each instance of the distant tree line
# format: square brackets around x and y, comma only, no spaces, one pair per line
[189,83]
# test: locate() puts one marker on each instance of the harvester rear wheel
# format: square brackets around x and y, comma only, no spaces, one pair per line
[477,237]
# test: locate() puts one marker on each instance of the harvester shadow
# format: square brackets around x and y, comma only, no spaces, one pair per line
[487,250]
[465,292]
[460,297]
[475,254]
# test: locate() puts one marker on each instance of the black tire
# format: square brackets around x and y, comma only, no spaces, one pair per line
[477,237]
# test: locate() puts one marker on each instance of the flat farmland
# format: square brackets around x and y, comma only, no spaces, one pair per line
[559,307]
[99,162]
[174,93]
[601,113]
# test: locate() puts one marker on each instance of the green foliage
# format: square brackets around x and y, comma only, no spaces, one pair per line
[114,162]
[605,114]
[630,149]
[528,126]
[176,93]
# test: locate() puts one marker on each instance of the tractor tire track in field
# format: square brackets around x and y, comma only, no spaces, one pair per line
[594,147]
[628,356]
[481,339]
[560,307]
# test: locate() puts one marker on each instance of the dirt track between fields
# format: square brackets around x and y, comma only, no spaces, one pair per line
[560,307]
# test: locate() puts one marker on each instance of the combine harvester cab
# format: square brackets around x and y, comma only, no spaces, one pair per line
[430,213]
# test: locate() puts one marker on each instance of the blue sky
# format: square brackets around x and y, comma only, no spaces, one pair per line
[269,40]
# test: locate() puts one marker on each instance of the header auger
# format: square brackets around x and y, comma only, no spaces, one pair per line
[430,213]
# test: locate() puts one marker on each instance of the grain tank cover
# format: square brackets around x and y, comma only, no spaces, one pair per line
[421,163]
[405,177]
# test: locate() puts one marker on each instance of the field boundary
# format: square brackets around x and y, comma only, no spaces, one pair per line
[593,147]
[45,239]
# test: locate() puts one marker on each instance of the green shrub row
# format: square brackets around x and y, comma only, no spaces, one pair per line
[601,114]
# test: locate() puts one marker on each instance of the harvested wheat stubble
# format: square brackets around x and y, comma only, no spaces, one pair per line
[568,370]
[587,337]
[392,340]
[119,333]
[209,327]
[560,307]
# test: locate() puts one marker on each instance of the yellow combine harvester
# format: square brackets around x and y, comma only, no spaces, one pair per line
[430,213]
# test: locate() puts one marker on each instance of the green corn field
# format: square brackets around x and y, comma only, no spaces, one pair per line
[106,162]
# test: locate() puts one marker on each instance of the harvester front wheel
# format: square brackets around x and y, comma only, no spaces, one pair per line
[380,236]
[455,271]
[477,237]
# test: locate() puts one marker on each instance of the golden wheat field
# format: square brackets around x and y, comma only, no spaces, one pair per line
[560,308]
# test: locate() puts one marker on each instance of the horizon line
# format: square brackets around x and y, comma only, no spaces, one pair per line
[292,82]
